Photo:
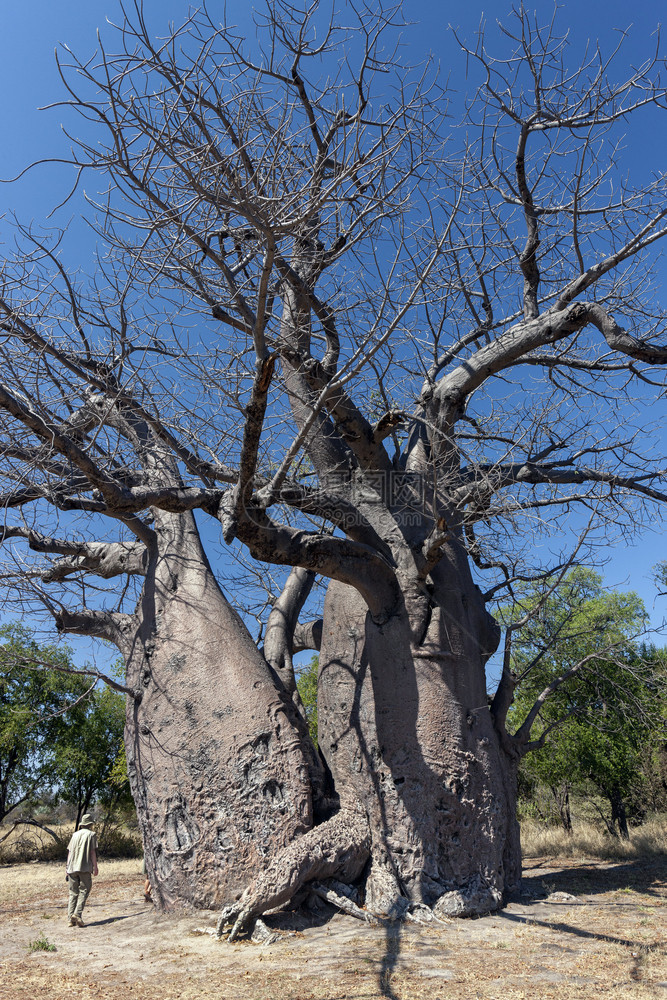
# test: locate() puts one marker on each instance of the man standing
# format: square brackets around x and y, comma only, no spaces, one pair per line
[81,866]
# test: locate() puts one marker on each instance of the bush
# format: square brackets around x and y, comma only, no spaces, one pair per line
[118,842]
[29,843]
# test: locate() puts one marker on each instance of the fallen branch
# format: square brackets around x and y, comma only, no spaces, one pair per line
[33,822]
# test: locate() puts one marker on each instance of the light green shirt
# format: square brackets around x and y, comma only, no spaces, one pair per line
[80,851]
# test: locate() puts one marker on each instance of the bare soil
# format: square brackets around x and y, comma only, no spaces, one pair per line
[607,941]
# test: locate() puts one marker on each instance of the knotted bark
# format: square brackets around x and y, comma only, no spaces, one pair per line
[427,793]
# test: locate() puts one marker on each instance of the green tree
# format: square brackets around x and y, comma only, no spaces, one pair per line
[89,764]
[36,704]
[306,683]
[593,730]
[660,570]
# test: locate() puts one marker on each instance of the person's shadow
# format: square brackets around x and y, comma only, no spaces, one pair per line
[109,920]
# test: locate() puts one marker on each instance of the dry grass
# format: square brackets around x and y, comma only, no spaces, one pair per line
[589,841]
[538,840]
[30,843]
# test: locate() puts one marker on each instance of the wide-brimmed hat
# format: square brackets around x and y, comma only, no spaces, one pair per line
[86,820]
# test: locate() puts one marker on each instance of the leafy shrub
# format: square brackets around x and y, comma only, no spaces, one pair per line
[41,944]
[117,842]
[31,844]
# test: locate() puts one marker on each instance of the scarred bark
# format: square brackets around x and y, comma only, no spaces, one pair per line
[427,792]
[215,752]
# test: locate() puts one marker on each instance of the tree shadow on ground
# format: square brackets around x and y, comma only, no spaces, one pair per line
[639,949]
[392,949]
[591,878]
[318,913]
[312,913]
[581,932]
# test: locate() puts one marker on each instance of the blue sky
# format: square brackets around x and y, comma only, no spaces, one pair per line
[30,30]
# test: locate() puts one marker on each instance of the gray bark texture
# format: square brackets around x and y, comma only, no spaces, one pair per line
[215,757]
[408,735]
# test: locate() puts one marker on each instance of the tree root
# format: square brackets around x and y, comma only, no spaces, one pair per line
[338,847]
[344,904]
[477,897]
[419,913]
[261,933]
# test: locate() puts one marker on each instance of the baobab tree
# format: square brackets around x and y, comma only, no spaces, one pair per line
[320,333]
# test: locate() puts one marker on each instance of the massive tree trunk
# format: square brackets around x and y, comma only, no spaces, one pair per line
[406,730]
[217,757]
[426,783]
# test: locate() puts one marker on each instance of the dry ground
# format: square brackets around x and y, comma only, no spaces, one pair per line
[609,941]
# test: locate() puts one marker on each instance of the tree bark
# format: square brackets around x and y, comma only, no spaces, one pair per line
[561,794]
[618,814]
[339,847]
[216,755]
[406,730]
[426,790]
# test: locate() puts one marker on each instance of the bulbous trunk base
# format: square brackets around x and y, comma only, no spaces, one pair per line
[406,731]
[216,756]
[427,793]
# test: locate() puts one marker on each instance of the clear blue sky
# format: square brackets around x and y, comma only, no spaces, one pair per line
[30,30]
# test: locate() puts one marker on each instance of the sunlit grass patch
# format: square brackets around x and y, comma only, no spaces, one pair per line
[589,841]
